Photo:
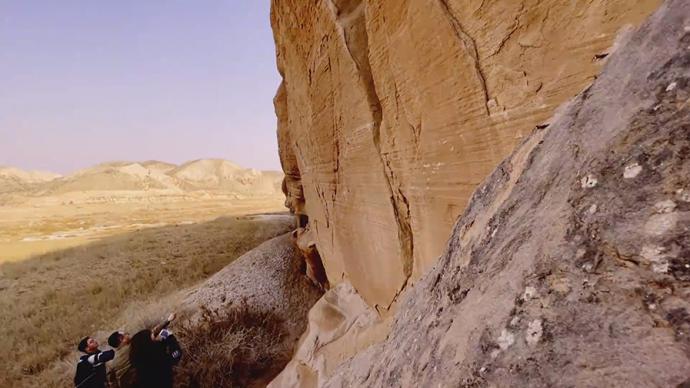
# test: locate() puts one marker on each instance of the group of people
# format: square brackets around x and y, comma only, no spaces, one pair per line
[143,360]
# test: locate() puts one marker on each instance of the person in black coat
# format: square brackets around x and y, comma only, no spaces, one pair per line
[91,372]
[153,356]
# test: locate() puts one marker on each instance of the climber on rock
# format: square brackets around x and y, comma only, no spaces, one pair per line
[121,373]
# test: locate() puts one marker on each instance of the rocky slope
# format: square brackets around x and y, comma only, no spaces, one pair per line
[269,278]
[391,112]
[568,267]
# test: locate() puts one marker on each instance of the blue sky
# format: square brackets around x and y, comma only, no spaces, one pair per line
[88,81]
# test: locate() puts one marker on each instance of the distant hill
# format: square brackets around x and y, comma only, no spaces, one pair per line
[13,179]
[114,176]
[157,165]
[211,175]
[218,174]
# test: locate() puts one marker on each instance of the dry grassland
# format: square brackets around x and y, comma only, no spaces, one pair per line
[41,225]
[127,273]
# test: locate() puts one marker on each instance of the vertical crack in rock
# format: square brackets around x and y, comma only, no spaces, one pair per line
[415,130]
[334,196]
[471,47]
[336,160]
[336,167]
[322,196]
[513,29]
[359,53]
[292,182]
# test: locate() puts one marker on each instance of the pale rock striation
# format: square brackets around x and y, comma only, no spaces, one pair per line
[392,112]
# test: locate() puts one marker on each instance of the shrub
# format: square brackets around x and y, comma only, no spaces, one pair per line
[239,347]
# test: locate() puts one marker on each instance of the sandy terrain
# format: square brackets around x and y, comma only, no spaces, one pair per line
[41,213]
[37,228]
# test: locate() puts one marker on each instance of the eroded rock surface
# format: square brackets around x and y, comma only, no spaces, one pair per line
[392,112]
[340,325]
[268,279]
[571,264]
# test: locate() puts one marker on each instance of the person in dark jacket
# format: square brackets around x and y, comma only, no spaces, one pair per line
[122,374]
[91,372]
[153,356]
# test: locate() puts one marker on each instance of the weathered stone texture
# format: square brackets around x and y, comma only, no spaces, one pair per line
[571,264]
[391,112]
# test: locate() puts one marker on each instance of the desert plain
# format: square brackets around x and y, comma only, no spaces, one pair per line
[116,246]
[42,213]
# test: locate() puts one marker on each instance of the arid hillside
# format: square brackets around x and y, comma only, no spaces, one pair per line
[14,179]
[120,244]
[154,177]
[125,281]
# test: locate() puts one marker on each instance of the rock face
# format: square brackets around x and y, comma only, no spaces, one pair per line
[340,325]
[571,264]
[392,112]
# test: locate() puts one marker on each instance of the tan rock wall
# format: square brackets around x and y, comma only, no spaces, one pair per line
[391,112]
[571,264]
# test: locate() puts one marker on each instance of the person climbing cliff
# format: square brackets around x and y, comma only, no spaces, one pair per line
[153,354]
[121,373]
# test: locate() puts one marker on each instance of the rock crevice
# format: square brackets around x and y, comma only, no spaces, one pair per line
[471,48]
[352,22]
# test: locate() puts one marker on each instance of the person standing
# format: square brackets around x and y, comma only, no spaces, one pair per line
[91,372]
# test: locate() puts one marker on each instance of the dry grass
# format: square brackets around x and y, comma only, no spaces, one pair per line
[240,347]
[51,301]
[51,225]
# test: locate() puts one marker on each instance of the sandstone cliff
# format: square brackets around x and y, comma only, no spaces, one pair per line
[569,265]
[391,112]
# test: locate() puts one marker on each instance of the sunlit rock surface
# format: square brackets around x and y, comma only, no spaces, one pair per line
[392,112]
[570,264]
